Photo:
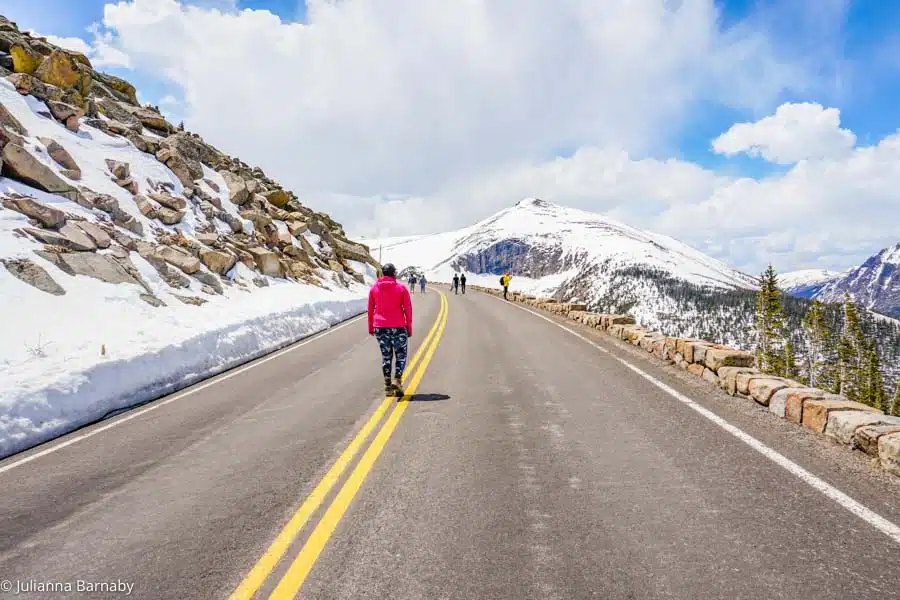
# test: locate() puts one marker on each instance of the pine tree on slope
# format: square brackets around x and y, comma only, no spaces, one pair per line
[770,352]
[875,394]
[852,355]
[821,355]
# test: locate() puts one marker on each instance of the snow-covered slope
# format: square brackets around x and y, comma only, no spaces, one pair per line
[806,283]
[554,250]
[875,284]
[134,258]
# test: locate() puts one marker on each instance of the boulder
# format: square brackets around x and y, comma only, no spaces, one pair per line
[762,388]
[842,425]
[90,264]
[34,275]
[68,236]
[21,165]
[788,402]
[867,437]
[169,216]
[97,235]
[25,60]
[27,85]
[145,206]
[10,137]
[217,262]
[279,198]
[728,377]
[11,122]
[696,369]
[47,216]
[207,239]
[716,358]
[114,110]
[129,184]
[178,257]
[150,119]
[119,169]
[63,112]
[266,261]
[209,280]
[119,85]
[152,300]
[169,201]
[60,155]
[237,188]
[177,164]
[889,453]
[694,352]
[192,300]
[816,413]
[259,219]
[173,277]
[60,70]
[742,380]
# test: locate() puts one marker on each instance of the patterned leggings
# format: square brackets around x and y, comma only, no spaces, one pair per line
[393,342]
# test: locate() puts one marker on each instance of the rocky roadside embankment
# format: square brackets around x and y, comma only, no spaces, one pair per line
[180,226]
[852,424]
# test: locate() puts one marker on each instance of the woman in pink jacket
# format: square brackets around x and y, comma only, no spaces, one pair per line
[390,321]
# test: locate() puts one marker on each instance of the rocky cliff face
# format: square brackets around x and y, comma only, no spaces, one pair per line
[99,176]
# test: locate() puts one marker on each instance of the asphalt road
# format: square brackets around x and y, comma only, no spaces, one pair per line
[526,463]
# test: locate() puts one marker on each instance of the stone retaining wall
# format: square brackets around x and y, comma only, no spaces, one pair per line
[850,423]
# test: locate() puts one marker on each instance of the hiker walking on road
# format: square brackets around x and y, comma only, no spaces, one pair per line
[455,283]
[462,282]
[422,283]
[504,281]
[412,284]
[390,321]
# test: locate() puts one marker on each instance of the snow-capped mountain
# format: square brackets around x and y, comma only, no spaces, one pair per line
[566,253]
[806,283]
[875,284]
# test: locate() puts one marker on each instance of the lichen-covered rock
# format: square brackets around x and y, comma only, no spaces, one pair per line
[34,275]
[47,216]
[60,70]
[25,59]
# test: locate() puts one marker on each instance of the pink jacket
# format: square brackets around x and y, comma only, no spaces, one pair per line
[389,305]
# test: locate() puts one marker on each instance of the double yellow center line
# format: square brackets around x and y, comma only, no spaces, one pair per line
[292,581]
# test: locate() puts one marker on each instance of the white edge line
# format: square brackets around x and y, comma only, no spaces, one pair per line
[179,395]
[866,514]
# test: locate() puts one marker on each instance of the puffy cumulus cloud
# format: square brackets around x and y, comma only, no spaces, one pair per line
[794,133]
[401,96]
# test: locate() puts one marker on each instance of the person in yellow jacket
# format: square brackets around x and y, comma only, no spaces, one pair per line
[504,281]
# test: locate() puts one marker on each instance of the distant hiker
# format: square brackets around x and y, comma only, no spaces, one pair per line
[504,281]
[390,321]
[462,282]
[422,283]
[455,283]
[412,284]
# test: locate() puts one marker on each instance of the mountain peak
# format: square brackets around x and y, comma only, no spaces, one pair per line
[533,203]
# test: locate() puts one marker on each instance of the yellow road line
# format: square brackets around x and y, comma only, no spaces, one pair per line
[293,580]
[266,564]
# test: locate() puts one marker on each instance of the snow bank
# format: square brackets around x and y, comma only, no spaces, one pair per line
[55,377]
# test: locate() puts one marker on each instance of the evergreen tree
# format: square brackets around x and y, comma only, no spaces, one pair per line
[770,349]
[790,363]
[820,357]
[852,356]
[181,126]
[875,394]
[895,407]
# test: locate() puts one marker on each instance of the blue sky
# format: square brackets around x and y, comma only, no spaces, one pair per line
[402,99]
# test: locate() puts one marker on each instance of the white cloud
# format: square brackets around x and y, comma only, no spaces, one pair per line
[795,132]
[407,116]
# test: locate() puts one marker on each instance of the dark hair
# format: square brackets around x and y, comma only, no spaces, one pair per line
[389,270]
